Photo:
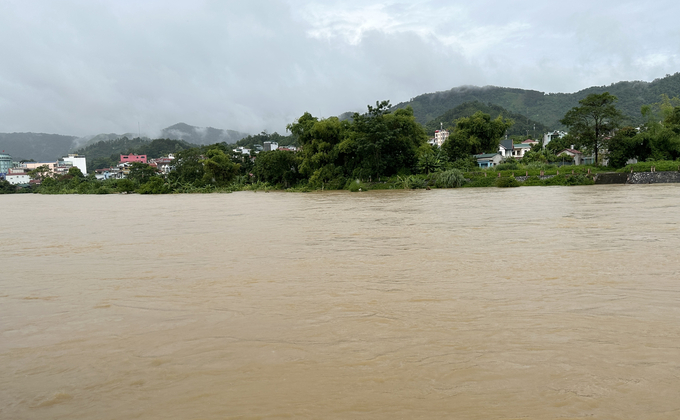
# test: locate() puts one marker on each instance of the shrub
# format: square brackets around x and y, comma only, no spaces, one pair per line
[155,185]
[410,182]
[484,181]
[507,182]
[508,165]
[356,186]
[569,180]
[453,178]
[533,181]
[660,165]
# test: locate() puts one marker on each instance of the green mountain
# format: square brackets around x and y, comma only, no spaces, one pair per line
[49,147]
[201,135]
[546,108]
[106,153]
[40,147]
[521,127]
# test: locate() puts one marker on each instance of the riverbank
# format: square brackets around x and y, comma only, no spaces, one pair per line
[504,175]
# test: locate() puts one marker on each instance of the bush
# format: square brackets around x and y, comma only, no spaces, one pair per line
[569,180]
[453,178]
[484,181]
[410,182]
[509,165]
[125,185]
[356,186]
[660,165]
[507,182]
[466,164]
[155,185]
[533,181]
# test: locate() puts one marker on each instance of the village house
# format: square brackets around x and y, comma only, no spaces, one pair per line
[520,149]
[575,155]
[133,158]
[17,176]
[505,148]
[163,164]
[488,160]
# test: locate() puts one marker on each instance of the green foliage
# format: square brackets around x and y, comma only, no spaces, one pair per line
[75,172]
[123,185]
[277,167]
[661,166]
[569,180]
[594,118]
[467,164]
[188,168]
[430,160]
[624,145]
[40,173]
[6,187]
[155,185]
[474,135]
[481,181]
[510,164]
[533,181]
[141,172]
[383,143]
[507,182]
[251,141]
[410,182]
[105,154]
[218,168]
[319,141]
[521,127]
[453,178]
[546,108]
[373,145]
[356,186]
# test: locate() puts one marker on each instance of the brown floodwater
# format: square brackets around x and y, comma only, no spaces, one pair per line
[533,302]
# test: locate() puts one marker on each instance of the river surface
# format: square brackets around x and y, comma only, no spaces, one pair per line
[532,302]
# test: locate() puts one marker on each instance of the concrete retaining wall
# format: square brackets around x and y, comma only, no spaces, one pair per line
[611,178]
[637,178]
[653,177]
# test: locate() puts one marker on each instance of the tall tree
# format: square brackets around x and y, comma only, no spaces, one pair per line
[386,141]
[593,120]
[474,135]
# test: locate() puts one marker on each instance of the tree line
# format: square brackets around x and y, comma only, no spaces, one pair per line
[384,144]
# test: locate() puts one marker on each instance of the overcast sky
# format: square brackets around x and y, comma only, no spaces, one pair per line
[83,67]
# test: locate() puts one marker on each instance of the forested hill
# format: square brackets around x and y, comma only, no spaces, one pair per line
[40,147]
[521,127]
[104,154]
[546,108]
[201,135]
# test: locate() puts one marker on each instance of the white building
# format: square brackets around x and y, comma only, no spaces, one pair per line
[270,145]
[18,179]
[242,150]
[552,136]
[440,137]
[77,161]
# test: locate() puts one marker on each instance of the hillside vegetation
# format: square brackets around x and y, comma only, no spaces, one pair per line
[546,108]
[522,125]
[105,154]
[40,147]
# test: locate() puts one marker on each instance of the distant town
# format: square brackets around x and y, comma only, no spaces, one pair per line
[384,148]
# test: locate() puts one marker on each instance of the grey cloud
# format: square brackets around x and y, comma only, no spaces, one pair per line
[85,67]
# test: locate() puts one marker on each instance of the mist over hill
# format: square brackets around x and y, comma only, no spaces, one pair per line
[201,135]
[526,107]
[40,147]
[545,108]
[43,147]
[522,126]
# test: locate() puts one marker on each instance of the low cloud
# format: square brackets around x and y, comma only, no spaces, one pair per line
[86,67]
